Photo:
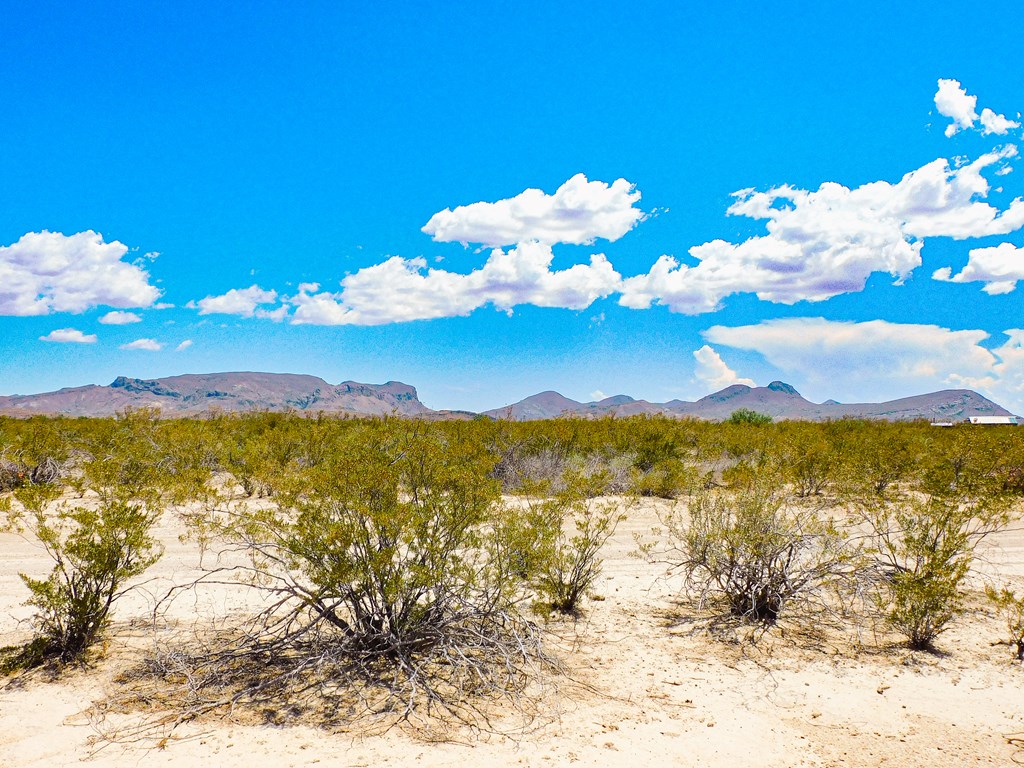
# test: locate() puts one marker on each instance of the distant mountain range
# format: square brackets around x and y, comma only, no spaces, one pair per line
[193,394]
[778,400]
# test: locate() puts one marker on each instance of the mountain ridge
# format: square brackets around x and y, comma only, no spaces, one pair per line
[193,394]
[781,401]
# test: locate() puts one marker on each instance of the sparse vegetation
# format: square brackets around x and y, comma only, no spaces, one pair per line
[754,551]
[98,537]
[1010,606]
[569,564]
[398,579]
[925,546]
[383,563]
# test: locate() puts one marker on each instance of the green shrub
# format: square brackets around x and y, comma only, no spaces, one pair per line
[96,548]
[755,552]
[98,536]
[389,564]
[925,546]
[1011,607]
[748,416]
[569,564]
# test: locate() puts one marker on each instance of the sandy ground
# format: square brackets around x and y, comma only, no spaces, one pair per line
[650,690]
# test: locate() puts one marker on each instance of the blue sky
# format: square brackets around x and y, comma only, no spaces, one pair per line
[187,187]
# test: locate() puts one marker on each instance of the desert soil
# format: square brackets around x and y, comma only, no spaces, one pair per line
[645,686]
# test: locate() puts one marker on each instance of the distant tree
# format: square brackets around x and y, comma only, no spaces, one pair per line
[747,416]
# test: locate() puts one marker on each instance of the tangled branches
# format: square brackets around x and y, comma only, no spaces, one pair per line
[755,552]
[386,592]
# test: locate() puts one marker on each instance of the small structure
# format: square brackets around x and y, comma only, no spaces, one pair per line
[994,421]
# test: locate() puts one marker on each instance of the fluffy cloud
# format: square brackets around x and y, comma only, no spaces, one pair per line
[1005,381]
[244,302]
[149,345]
[183,346]
[120,318]
[878,360]
[999,267]
[828,242]
[869,359]
[69,336]
[952,101]
[399,290]
[579,212]
[46,272]
[712,370]
[998,124]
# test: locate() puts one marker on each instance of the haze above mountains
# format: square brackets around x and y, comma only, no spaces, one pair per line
[196,394]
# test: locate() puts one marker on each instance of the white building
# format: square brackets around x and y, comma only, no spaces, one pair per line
[994,420]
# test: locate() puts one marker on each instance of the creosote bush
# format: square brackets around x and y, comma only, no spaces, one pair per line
[566,561]
[95,550]
[1011,607]
[748,416]
[383,561]
[925,546]
[755,551]
[99,537]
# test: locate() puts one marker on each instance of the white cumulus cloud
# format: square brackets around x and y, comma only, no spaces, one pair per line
[183,346]
[953,101]
[998,124]
[69,336]
[712,371]
[828,242]
[870,359]
[998,267]
[579,212]
[244,302]
[117,317]
[46,272]
[149,345]
[400,290]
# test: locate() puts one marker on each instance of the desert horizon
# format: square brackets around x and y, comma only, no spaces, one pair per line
[699,333]
[248,391]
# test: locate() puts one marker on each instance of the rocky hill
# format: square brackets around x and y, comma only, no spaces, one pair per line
[199,393]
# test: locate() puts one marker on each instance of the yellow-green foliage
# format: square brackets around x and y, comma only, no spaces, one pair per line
[925,545]
[387,507]
[566,562]
[382,532]
[96,526]
[1011,607]
[755,550]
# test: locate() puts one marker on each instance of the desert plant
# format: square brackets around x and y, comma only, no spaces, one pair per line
[568,562]
[748,416]
[98,532]
[808,458]
[96,547]
[383,563]
[755,551]
[925,546]
[1011,607]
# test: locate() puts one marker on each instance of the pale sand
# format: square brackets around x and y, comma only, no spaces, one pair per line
[657,695]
